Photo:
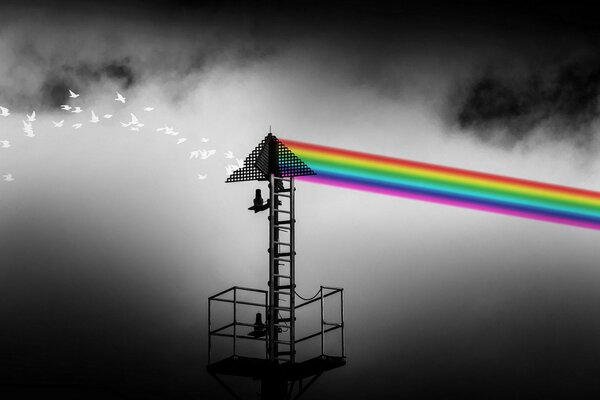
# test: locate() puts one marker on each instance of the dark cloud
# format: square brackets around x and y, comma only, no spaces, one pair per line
[561,98]
[120,71]
[55,87]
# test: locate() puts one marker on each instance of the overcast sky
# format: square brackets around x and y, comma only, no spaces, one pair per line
[110,244]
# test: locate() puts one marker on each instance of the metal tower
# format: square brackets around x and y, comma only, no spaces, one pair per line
[279,369]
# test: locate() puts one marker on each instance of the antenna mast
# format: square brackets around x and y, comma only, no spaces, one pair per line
[279,369]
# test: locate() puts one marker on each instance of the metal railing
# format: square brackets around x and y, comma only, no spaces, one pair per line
[219,297]
[327,326]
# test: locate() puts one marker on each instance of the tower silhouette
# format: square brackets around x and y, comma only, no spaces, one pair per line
[280,370]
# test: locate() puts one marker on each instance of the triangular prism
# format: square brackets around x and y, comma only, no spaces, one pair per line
[259,163]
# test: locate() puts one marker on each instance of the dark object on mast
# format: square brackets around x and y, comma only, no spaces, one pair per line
[259,203]
[260,329]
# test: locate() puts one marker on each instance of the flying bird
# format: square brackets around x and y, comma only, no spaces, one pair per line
[134,128]
[230,169]
[134,120]
[73,95]
[229,154]
[202,177]
[149,109]
[204,154]
[65,107]
[77,126]
[204,140]
[179,141]
[59,123]
[77,110]
[8,178]
[240,162]
[5,144]
[4,112]
[194,154]
[31,118]
[95,118]
[120,98]
[168,131]
[28,129]
[107,116]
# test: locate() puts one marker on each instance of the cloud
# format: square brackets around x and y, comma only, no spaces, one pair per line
[46,52]
[486,84]
[562,98]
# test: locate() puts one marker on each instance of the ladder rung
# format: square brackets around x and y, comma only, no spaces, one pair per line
[283,342]
[283,308]
[282,243]
[286,222]
[282,276]
[281,259]
[282,195]
[280,292]
[284,287]
[283,179]
[284,254]
[282,211]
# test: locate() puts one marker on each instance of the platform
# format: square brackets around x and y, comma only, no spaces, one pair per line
[260,368]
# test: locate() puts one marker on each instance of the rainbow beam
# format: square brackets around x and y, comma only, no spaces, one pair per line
[451,186]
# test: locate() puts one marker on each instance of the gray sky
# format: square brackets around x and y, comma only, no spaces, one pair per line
[110,244]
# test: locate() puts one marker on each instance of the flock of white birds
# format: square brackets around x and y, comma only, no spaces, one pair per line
[134,124]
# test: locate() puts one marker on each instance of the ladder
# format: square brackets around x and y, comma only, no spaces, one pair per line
[282,278]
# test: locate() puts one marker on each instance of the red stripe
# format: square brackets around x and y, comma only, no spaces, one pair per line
[438,168]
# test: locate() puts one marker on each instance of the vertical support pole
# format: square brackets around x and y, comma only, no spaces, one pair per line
[267,321]
[343,324]
[234,320]
[292,327]
[209,329]
[273,270]
[322,325]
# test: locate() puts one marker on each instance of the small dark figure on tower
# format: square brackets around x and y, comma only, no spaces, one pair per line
[259,203]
